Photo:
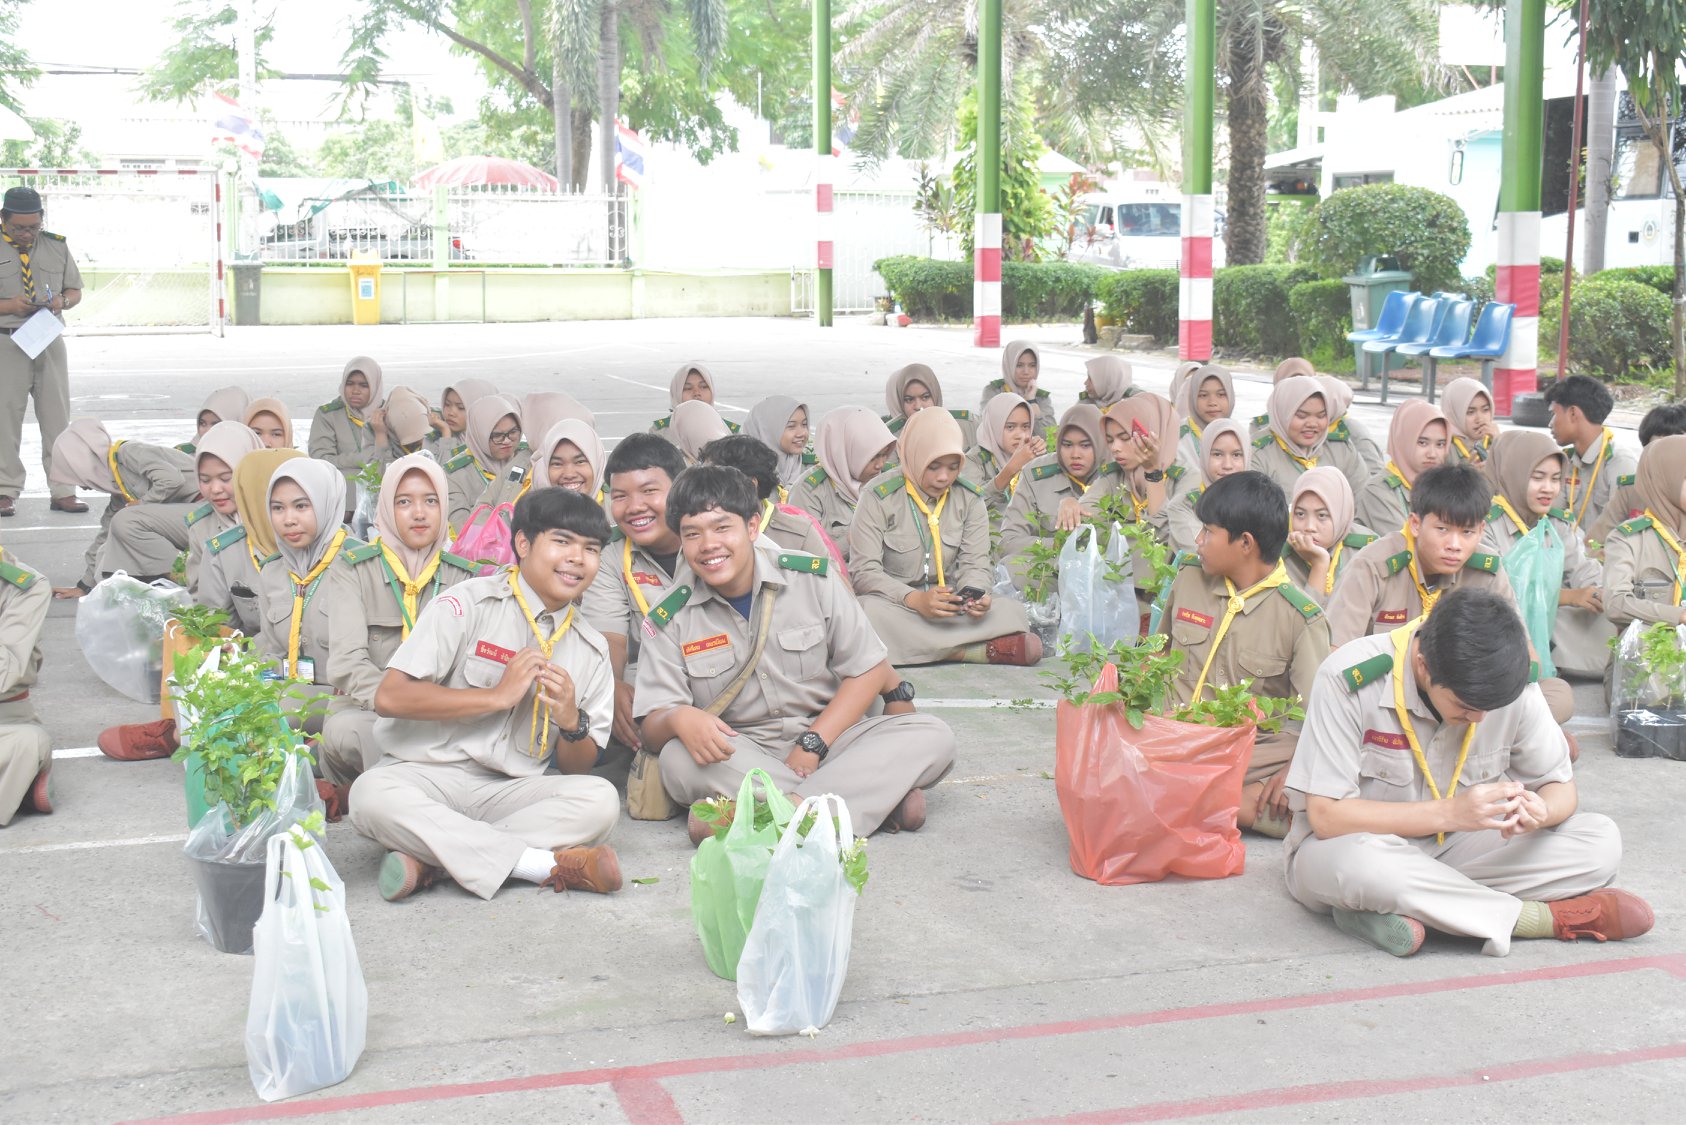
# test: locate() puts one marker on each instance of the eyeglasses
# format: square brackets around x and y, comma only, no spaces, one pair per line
[506,437]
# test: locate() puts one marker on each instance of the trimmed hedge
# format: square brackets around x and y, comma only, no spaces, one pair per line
[1618,329]
[929,289]
[1425,230]
[1144,302]
[1322,313]
[1660,278]
[1250,310]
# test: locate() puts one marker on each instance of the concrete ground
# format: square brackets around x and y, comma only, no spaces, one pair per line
[987,982]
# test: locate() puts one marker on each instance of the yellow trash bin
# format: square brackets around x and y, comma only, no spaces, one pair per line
[365,287]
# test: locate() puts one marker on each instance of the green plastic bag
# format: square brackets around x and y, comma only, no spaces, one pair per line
[727,873]
[1535,569]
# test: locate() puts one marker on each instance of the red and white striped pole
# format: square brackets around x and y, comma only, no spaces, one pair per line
[1518,283]
[824,235]
[986,282]
[1518,276]
[986,233]
[1194,297]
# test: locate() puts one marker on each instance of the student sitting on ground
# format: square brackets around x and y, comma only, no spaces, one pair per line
[453,409]
[570,455]
[692,382]
[920,545]
[1324,537]
[1008,440]
[1209,394]
[225,404]
[269,419]
[500,678]
[1180,375]
[350,431]
[695,424]
[914,388]
[487,472]
[852,445]
[217,560]
[1416,443]
[374,596]
[541,410]
[1469,409]
[790,528]
[1107,379]
[1021,367]
[1645,557]
[1625,504]
[409,426]
[1040,505]
[1138,439]
[1344,428]
[1234,615]
[1431,789]
[26,749]
[1579,405]
[1298,439]
[781,424]
[152,489]
[1223,451]
[1526,468]
[765,661]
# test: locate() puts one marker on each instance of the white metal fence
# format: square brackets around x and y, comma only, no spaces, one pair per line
[868,225]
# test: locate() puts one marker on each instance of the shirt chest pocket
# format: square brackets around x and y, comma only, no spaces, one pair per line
[905,557]
[1389,767]
[1189,634]
[804,651]
[1484,765]
[710,662]
[1262,663]
[482,671]
[11,278]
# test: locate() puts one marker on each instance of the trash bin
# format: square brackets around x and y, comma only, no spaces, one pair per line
[248,290]
[365,287]
[1375,277]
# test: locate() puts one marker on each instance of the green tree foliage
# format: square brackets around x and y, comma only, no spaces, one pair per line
[57,144]
[1425,230]
[202,52]
[17,70]
[1027,212]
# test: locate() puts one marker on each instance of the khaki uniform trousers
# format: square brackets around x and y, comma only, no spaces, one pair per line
[145,539]
[872,766]
[46,379]
[1473,886]
[347,746]
[911,639]
[25,750]
[475,822]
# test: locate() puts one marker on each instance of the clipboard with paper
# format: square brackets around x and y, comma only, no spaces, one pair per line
[36,333]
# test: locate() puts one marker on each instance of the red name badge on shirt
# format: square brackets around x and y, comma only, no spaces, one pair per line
[1194,618]
[1392,617]
[1386,740]
[493,652]
[707,644]
[645,578]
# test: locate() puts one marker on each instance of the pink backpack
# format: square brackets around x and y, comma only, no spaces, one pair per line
[486,537]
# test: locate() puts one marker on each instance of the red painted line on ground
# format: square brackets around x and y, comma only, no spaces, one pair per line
[651,1073]
[1282,1097]
[646,1101]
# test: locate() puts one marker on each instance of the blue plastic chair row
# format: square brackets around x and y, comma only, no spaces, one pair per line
[1432,328]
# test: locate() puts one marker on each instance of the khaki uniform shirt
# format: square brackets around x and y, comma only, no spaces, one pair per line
[25,596]
[1641,573]
[968,429]
[981,468]
[612,601]
[1353,744]
[1385,501]
[1378,592]
[275,590]
[152,474]
[464,639]
[1460,449]
[1624,504]
[1585,497]
[1580,570]
[335,438]
[1042,410]
[817,495]
[204,523]
[1036,504]
[891,547]
[1345,551]
[1274,462]
[792,530]
[51,268]
[469,486]
[1277,640]
[366,617]
[818,638]
[227,573]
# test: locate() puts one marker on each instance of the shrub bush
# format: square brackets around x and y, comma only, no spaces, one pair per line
[1660,278]
[1618,329]
[1142,301]
[1322,312]
[936,290]
[1250,309]
[1425,230]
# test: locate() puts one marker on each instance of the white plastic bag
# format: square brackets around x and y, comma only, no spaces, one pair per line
[797,953]
[364,510]
[310,1009]
[120,628]
[1097,593]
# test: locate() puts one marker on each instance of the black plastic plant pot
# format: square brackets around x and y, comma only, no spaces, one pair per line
[1646,733]
[231,895]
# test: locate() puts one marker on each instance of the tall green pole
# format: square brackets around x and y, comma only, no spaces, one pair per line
[1517,281]
[822,161]
[1194,304]
[986,237]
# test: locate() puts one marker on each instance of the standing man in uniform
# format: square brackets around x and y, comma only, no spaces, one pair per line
[36,272]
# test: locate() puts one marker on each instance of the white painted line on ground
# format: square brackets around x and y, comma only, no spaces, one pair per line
[89,845]
[10,530]
[664,390]
[987,704]
[78,752]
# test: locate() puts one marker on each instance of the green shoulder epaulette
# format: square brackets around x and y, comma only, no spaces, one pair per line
[996,385]
[186,447]
[1399,562]
[1368,671]
[1308,608]
[1626,479]
[1480,560]
[891,484]
[810,458]
[804,563]
[663,423]
[616,534]
[330,407]
[1635,526]
[1175,472]
[1557,514]
[1358,539]
[197,514]
[961,415]
[895,424]
[17,575]
[1495,512]
[269,558]
[816,478]
[448,559]
[1339,431]
[1261,420]
[1394,481]
[217,543]
[734,427]
[1533,671]
[1186,558]
[664,610]
[1110,469]
[1043,472]
[1262,440]
[1185,430]
[461,461]
[969,485]
[51,235]
[361,552]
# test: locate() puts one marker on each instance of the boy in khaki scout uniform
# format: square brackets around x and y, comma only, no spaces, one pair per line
[26,750]
[1431,788]
[37,272]
[790,528]
[500,676]
[763,660]
[1237,617]
[1579,405]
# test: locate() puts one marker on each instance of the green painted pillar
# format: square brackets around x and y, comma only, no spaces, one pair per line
[1194,301]
[823,162]
[1518,276]
[986,235]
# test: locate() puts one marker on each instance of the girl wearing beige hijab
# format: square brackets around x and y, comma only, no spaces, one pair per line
[1343,427]
[1224,450]
[1056,491]
[1008,440]
[152,488]
[409,424]
[453,408]
[570,456]
[1208,394]
[1469,408]
[374,595]
[350,431]
[270,420]
[487,471]
[1416,443]
[1322,536]
[691,383]
[919,551]
[1138,438]
[1527,468]
[215,561]
[1298,437]
[1179,378]
[695,424]
[914,388]
[852,445]
[1021,368]
[781,424]
[304,499]
[1645,557]
[225,404]
[1107,380]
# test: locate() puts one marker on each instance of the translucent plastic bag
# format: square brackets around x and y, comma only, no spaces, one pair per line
[1143,804]
[309,1012]
[364,511]
[1535,569]
[1648,692]
[120,628]
[797,954]
[1097,594]
[727,874]
[487,537]
[1042,615]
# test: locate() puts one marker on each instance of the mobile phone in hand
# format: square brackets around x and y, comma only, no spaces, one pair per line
[971,594]
[1138,429]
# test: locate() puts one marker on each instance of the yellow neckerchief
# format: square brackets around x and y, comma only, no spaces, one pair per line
[1401,652]
[1303,462]
[1137,507]
[767,510]
[1592,481]
[117,477]
[1237,602]
[1196,428]
[631,583]
[303,590]
[784,494]
[1471,454]
[526,486]
[1082,486]
[1427,596]
[1399,476]
[412,587]
[1504,506]
[1334,566]
[23,263]
[1673,544]
[535,748]
[933,518]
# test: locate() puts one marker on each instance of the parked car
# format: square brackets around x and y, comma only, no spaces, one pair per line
[1140,228]
[311,240]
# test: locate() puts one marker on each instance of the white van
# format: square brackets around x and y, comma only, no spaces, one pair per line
[1136,227]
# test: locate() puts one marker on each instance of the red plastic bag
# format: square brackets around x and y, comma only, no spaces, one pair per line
[486,537]
[1143,804]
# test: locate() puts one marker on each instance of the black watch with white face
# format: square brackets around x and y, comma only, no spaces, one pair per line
[902,693]
[581,732]
[813,744]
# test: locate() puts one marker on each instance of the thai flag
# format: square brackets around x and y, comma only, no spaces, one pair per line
[848,123]
[232,124]
[629,156]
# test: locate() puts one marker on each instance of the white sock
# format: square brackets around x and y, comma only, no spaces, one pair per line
[533,866]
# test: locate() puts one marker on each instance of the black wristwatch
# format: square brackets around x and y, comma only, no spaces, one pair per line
[1154,476]
[581,732]
[813,744]
[902,693]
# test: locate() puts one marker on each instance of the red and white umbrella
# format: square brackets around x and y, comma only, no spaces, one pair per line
[479,171]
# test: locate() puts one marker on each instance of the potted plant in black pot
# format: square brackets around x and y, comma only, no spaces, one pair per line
[1648,693]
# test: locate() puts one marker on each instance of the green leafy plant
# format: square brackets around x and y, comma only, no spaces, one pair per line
[1068,208]
[929,289]
[1235,705]
[178,569]
[1425,230]
[719,812]
[1146,671]
[369,475]
[1143,302]
[1322,314]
